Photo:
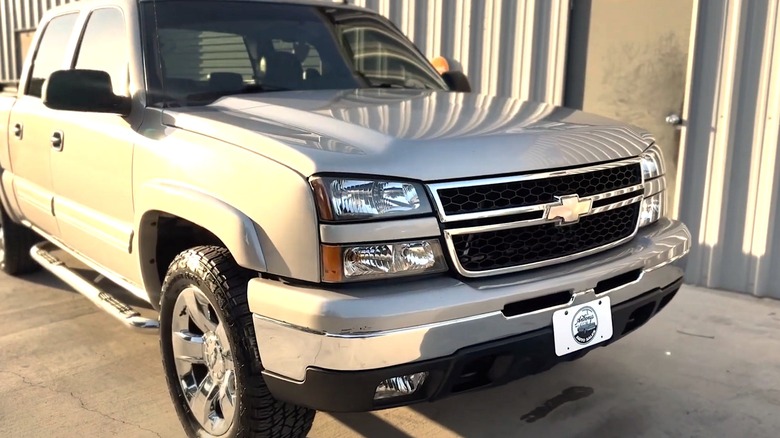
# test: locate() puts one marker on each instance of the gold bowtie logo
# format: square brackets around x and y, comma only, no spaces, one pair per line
[569,210]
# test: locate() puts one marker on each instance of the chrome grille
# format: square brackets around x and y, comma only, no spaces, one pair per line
[501,225]
[527,245]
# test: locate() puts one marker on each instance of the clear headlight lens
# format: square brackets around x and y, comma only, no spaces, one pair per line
[355,199]
[653,163]
[652,209]
[654,205]
[381,260]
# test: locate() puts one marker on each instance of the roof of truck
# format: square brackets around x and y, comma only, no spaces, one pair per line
[79,5]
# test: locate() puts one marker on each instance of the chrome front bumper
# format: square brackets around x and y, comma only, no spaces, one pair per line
[371,326]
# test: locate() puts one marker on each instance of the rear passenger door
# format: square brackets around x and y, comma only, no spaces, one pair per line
[31,126]
[92,171]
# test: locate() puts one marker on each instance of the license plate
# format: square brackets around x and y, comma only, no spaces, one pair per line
[582,326]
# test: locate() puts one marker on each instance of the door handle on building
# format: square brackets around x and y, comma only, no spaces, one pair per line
[673,119]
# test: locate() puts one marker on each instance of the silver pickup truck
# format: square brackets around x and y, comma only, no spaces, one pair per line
[321,220]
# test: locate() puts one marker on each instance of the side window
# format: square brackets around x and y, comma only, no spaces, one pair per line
[383,57]
[104,47]
[51,52]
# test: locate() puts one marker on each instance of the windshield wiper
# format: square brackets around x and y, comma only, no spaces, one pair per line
[211,96]
[390,85]
[384,84]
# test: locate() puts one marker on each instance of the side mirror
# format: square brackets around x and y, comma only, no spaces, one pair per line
[83,90]
[457,81]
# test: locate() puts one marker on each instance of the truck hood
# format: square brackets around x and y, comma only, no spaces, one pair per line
[422,135]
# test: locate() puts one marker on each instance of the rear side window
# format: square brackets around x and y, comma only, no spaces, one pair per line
[51,52]
[104,47]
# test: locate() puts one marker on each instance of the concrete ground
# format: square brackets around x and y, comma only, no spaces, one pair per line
[707,366]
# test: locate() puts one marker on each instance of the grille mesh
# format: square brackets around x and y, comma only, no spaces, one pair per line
[462,200]
[521,246]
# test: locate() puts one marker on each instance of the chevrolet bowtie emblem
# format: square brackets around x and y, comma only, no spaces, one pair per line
[569,210]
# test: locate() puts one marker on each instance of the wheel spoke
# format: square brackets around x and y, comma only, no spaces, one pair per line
[198,310]
[188,347]
[227,396]
[223,340]
[202,402]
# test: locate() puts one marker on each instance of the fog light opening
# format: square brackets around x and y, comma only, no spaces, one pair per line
[400,386]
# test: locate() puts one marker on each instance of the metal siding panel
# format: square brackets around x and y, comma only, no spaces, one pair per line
[731,166]
[5,44]
[18,15]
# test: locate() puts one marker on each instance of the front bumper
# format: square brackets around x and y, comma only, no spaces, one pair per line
[477,367]
[373,326]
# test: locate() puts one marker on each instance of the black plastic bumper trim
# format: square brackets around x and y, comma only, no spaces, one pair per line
[476,367]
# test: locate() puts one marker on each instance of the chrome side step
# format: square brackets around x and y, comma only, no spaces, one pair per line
[105,301]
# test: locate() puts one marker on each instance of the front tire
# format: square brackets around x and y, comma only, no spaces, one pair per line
[210,354]
[15,243]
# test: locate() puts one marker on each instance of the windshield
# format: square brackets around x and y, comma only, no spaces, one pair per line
[200,50]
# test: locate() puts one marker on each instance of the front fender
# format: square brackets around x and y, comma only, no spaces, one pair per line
[235,229]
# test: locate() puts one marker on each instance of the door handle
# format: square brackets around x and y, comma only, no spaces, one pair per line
[18,130]
[57,140]
[673,119]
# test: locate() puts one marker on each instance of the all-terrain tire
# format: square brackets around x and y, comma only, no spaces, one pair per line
[213,271]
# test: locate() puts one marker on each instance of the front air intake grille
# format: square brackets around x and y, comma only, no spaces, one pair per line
[523,246]
[535,191]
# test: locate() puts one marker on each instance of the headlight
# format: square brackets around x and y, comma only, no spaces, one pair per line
[341,199]
[653,163]
[381,260]
[654,204]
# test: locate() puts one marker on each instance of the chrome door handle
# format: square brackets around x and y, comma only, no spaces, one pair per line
[18,131]
[57,140]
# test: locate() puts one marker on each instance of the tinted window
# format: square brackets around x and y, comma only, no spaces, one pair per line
[51,52]
[383,57]
[104,47]
[192,54]
[203,50]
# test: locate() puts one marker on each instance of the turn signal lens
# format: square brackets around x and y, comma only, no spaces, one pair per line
[652,209]
[381,260]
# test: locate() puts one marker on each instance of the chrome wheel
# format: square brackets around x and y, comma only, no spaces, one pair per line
[204,361]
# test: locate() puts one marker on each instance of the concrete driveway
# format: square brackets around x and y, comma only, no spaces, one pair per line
[708,366]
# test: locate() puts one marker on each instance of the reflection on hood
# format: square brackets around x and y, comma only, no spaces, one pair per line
[392,132]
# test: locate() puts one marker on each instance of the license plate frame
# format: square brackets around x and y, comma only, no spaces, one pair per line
[582,326]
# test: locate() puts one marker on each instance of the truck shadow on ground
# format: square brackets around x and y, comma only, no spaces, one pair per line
[503,411]
[43,278]
[46,279]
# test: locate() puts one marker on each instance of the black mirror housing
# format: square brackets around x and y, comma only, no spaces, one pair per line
[83,90]
[457,81]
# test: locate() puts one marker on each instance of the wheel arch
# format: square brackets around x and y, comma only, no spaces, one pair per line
[197,218]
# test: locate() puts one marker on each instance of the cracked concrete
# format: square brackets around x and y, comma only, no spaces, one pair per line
[78,399]
[708,366]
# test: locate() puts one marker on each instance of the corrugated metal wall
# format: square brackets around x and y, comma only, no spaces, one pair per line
[506,47]
[15,16]
[731,167]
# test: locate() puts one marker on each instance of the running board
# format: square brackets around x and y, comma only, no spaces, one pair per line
[105,301]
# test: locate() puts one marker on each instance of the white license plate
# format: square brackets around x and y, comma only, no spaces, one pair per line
[582,326]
